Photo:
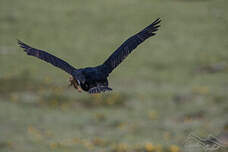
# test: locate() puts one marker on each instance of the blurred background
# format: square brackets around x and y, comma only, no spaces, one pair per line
[173,85]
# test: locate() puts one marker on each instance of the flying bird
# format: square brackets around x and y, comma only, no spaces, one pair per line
[94,79]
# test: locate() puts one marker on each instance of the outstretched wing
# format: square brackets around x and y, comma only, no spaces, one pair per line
[47,57]
[128,46]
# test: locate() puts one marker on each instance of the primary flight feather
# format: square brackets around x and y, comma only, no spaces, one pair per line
[94,79]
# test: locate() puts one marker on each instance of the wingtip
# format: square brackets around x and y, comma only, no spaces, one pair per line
[152,28]
[24,46]
[157,21]
[20,43]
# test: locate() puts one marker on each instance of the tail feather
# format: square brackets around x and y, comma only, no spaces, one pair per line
[99,89]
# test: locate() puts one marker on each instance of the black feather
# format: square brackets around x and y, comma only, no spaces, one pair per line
[128,46]
[99,89]
[94,79]
[47,57]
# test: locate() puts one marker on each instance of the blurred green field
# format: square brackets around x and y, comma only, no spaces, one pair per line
[174,84]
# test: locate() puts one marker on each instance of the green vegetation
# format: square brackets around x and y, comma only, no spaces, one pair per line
[172,85]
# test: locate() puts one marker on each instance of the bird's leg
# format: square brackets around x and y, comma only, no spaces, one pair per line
[73,82]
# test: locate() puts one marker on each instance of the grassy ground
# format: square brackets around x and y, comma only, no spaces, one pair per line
[172,85]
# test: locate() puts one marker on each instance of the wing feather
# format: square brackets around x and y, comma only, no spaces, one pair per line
[128,46]
[47,57]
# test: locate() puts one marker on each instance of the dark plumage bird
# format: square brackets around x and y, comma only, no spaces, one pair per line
[94,79]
